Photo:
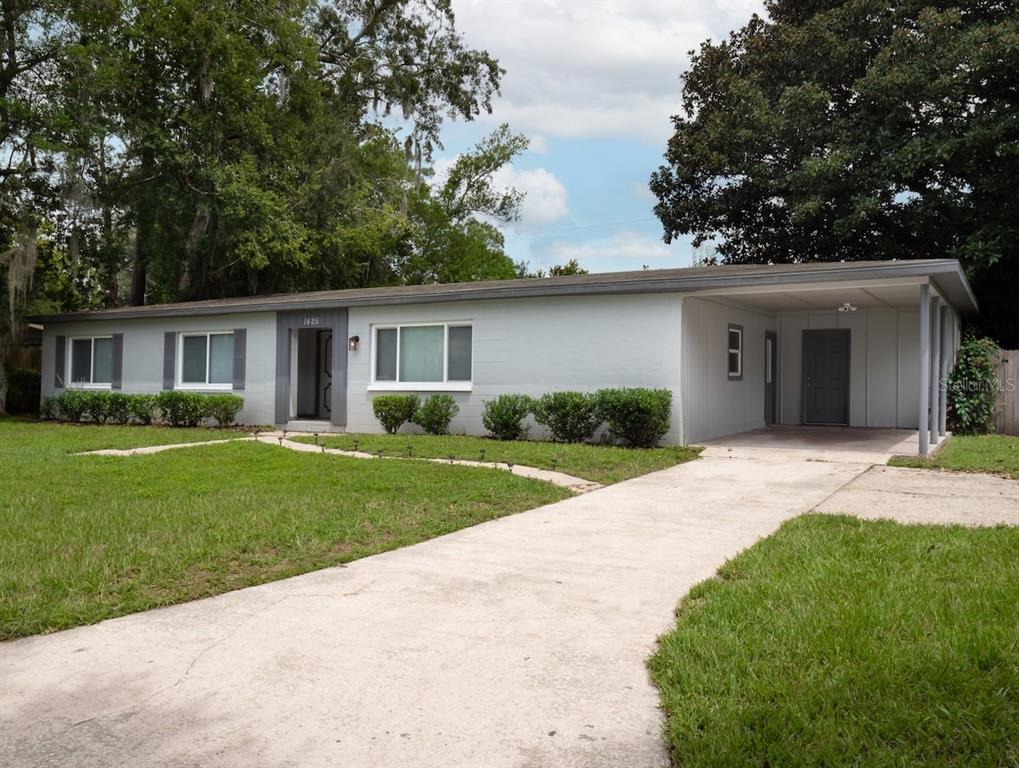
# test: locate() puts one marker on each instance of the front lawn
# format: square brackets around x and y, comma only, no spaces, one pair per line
[85,538]
[838,641]
[599,463]
[994,454]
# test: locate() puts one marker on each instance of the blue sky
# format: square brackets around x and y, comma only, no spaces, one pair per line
[593,84]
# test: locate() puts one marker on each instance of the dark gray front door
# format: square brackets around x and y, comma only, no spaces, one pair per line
[770,375]
[826,376]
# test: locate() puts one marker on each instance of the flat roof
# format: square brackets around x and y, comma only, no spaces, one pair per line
[946,274]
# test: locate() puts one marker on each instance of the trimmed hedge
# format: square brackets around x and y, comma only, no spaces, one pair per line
[639,417]
[223,408]
[569,417]
[23,390]
[172,407]
[393,411]
[504,416]
[434,415]
[181,409]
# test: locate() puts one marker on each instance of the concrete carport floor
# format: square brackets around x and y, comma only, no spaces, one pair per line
[519,642]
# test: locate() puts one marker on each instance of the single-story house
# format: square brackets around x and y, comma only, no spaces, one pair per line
[740,347]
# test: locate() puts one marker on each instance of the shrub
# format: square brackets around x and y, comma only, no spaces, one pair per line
[142,408]
[97,406]
[223,408]
[393,411]
[23,390]
[570,417]
[72,403]
[49,409]
[181,409]
[973,387]
[435,414]
[504,415]
[637,416]
[118,407]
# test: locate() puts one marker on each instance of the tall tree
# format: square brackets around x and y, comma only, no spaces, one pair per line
[856,129]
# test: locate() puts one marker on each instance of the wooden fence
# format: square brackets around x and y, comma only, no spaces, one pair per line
[1007,422]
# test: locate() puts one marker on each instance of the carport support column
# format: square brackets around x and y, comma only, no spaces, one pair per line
[946,368]
[936,393]
[925,366]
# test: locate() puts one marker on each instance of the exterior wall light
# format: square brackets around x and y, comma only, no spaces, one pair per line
[352,343]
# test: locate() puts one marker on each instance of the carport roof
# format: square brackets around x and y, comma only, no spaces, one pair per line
[946,274]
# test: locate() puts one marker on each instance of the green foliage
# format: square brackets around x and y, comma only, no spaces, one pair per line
[49,409]
[118,407]
[142,408]
[640,417]
[569,417]
[97,405]
[23,390]
[223,408]
[393,411]
[504,416]
[973,387]
[435,414]
[72,404]
[181,409]
[851,130]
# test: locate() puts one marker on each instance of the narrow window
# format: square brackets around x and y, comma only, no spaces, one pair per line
[460,341]
[385,354]
[735,352]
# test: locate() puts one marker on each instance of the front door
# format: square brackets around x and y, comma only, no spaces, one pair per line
[770,371]
[826,376]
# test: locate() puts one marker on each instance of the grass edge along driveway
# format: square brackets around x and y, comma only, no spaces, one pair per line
[990,454]
[88,538]
[838,641]
[603,464]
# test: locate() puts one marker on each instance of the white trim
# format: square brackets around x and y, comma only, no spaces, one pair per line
[419,386]
[91,383]
[738,351]
[201,386]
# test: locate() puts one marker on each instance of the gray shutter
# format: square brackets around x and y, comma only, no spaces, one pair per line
[169,359]
[240,353]
[118,361]
[58,366]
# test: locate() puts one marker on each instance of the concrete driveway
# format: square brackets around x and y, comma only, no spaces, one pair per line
[519,642]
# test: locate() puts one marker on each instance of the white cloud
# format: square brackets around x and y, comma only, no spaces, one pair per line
[594,69]
[544,194]
[538,145]
[627,248]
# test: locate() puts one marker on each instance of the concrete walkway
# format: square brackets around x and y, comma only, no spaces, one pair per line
[520,642]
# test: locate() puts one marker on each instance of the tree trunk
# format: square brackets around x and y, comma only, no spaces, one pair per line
[208,253]
[143,230]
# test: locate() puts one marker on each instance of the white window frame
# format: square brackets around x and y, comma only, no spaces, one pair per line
[421,386]
[69,371]
[737,350]
[206,387]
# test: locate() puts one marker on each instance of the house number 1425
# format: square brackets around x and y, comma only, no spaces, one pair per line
[310,321]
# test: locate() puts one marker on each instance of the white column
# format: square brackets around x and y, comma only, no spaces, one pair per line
[946,368]
[925,366]
[935,368]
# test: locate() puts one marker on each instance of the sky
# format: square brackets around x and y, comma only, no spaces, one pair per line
[593,84]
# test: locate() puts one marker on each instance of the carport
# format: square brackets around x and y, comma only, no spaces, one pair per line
[848,360]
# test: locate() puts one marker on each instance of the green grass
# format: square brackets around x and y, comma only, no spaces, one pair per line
[994,454]
[600,463]
[85,538]
[843,642]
